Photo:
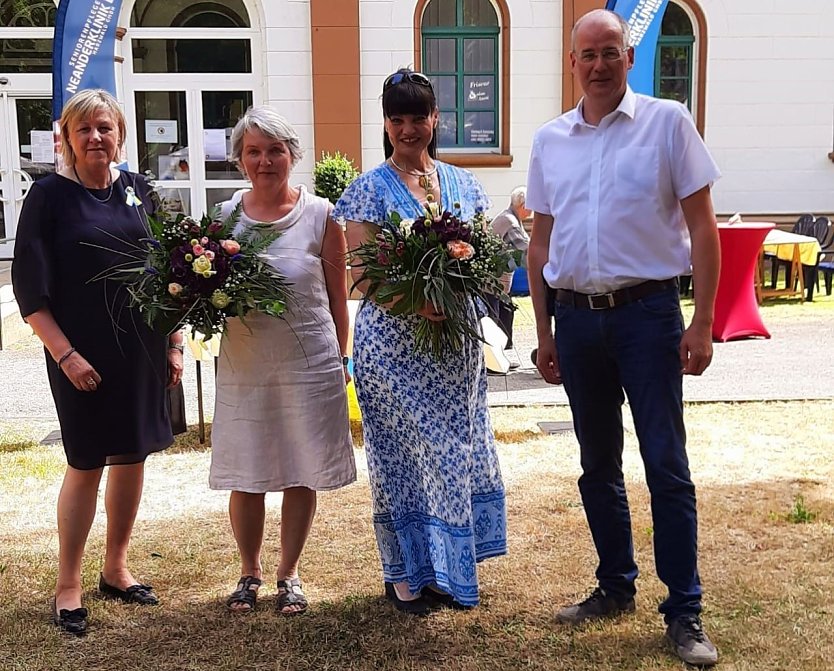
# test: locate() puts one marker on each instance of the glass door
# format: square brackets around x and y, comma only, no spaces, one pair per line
[183,140]
[191,76]
[26,155]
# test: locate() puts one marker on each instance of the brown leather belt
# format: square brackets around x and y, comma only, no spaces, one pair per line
[615,299]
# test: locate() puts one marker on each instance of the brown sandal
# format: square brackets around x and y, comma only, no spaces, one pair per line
[290,594]
[244,594]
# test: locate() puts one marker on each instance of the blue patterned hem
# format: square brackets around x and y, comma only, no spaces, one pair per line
[426,550]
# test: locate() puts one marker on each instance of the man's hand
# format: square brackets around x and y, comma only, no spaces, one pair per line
[547,361]
[696,349]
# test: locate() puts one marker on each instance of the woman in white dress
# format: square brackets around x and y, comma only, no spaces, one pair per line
[280,420]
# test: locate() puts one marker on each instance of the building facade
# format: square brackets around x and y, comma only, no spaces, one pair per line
[757,76]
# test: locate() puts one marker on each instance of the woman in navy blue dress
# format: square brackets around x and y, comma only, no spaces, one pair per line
[108,371]
[438,496]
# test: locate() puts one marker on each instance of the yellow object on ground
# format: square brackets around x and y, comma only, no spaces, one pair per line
[353,404]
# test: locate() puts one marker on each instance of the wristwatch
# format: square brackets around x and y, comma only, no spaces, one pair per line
[177,345]
[345,360]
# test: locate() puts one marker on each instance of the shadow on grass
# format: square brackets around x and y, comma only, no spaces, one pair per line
[761,574]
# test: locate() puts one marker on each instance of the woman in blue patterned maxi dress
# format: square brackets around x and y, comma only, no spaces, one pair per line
[438,497]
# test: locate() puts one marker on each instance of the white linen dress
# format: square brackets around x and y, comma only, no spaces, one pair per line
[281,416]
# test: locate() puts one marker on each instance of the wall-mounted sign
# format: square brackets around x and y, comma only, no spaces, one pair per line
[42,147]
[161,130]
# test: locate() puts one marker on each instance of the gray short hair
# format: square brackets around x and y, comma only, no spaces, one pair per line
[265,119]
[518,196]
[599,13]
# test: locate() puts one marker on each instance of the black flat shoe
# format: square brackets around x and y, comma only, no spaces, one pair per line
[418,606]
[442,599]
[141,594]
[71,621]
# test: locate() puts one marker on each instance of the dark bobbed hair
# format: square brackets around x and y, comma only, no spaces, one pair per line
[407,97]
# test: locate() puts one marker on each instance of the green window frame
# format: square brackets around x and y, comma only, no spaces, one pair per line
[675,57]
[462,62]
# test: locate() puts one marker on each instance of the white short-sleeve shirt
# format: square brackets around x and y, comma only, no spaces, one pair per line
[614,191]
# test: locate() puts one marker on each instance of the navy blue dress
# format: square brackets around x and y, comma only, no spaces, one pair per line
[65,238]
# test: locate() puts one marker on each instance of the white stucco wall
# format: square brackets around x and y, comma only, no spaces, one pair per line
[770,104]
[769,94]
[288,71]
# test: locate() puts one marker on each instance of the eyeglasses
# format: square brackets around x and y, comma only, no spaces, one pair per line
[399,77]
[610,55]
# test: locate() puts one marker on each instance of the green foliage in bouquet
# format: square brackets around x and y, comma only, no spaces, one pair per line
[438,260]
[332,174]
[198,274]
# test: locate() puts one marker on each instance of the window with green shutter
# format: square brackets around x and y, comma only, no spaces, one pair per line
[460,56]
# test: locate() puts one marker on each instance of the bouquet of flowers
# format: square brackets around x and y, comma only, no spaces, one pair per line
[440,260]
[197,273]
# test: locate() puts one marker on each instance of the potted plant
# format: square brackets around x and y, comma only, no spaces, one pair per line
[332,174]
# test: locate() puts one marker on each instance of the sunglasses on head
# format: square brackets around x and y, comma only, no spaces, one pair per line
[399,77]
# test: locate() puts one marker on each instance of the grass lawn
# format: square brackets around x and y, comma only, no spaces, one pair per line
[765,481]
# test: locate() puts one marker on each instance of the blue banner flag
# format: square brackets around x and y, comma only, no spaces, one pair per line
[83,49]
[644,18]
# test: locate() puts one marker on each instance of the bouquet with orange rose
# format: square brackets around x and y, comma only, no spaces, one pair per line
[198,273]
[441,260]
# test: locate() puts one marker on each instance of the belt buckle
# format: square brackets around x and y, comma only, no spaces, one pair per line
[601,301]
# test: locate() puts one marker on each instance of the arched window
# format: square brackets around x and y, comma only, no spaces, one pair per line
[461,54]
[680,59]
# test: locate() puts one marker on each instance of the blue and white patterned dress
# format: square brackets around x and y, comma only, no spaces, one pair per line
[438,497]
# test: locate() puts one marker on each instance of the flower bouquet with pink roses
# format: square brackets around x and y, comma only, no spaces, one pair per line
[437,260]
[199,274]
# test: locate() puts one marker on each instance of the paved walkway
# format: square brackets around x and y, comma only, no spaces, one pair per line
[796,363]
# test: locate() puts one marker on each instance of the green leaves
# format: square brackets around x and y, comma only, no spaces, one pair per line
[332,174]
[413,270]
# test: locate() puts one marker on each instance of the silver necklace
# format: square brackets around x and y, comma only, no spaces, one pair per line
[425,181]
[92,195]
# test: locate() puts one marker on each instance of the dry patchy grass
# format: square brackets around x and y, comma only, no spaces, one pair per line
[768,581]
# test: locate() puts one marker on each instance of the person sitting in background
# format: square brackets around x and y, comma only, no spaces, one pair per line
[508,225]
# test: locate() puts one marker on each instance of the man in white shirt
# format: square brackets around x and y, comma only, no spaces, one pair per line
[620,190]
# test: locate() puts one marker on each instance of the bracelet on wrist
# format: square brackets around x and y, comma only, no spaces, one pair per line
[66,355]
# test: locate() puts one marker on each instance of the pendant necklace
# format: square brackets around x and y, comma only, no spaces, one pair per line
[424,180]
[92,195]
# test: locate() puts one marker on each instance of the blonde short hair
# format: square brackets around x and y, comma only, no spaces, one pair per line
[82,106]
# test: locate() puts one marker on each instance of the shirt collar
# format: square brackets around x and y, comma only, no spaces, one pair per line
[627,106]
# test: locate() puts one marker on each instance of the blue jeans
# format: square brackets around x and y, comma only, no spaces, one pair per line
[604,356]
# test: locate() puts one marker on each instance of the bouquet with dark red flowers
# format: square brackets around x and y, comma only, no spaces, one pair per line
[199,273]
[437,259]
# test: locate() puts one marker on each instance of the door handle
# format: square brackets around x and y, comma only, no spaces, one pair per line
[27,179]
[2,200]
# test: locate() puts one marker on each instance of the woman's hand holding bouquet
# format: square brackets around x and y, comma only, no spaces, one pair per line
[435,267]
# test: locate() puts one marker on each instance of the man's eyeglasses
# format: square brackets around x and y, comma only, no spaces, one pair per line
[399,77]
[610,55]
